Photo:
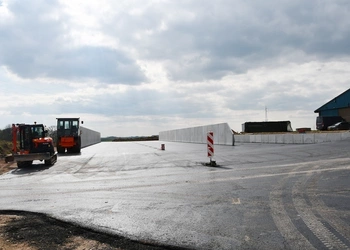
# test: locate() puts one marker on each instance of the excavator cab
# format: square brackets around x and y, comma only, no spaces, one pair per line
[27,135]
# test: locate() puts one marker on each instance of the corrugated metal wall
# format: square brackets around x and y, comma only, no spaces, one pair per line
[331,112]
[341,101]
[332,107]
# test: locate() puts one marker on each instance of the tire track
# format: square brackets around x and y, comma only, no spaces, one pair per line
[330,240]
[325,212]
[281,218]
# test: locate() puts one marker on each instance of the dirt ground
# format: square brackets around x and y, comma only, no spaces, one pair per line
[32,231]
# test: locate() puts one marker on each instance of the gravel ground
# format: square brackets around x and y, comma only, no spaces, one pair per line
[32,231]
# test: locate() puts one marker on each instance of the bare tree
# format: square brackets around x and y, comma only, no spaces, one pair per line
[52,132]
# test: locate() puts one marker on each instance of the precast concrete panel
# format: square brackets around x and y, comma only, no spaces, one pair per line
[223,134]
[298,138]
[179,136]
[289,139]
[197,135]
[258,138]
[250,138]
[335,136]
[272,138]
[172,135]
[307,138]
[183,136]
[264,138]
[345,136]
[89,137]
[280,139]
[239,138]
[322,138]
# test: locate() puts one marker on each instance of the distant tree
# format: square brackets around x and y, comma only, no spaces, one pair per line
[6,133]
[52,132]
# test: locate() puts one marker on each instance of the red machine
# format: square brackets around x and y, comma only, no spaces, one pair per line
[33,145]
[68,135]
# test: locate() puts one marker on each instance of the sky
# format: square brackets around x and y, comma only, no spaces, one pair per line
[137,67]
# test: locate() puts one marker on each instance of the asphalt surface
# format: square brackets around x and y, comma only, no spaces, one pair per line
[260,196]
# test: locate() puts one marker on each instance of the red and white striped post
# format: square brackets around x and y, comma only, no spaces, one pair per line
[210,145]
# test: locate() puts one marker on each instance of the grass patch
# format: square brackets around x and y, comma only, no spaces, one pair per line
[5,148]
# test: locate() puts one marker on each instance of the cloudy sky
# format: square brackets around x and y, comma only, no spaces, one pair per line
[138,67]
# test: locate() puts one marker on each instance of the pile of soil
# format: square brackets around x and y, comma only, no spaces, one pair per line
[32,231]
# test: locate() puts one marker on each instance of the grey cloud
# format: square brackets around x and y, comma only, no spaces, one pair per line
[238,35]
[277,96]
[32,46]
[203,40]
[105,65]
[129,103]
[144,103]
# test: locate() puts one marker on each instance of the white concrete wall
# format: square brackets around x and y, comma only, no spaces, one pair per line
[222,134]
[288,138]
[89,137]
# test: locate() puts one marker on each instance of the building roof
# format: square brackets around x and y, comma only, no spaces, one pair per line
[341,101]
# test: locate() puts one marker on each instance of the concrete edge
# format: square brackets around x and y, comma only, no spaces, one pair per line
[288,138]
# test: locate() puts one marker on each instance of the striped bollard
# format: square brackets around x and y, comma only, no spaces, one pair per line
[210,146]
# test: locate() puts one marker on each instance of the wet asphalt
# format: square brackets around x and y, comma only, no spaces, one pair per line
[259,196]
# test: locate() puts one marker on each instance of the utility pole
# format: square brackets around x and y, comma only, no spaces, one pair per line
[265,114]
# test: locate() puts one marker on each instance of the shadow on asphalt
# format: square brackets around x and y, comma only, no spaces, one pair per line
[68,154]
[216,166]
[32,169]
[39,167]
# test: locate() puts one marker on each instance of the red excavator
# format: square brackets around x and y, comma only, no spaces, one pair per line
[33,145]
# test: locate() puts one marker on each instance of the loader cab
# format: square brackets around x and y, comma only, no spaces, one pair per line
[68,135]
[67,127]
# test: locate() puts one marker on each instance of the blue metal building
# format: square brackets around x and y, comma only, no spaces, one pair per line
[338,106]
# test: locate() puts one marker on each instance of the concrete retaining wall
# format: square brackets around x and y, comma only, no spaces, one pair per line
[307,138]
[89,137]
[222,134]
